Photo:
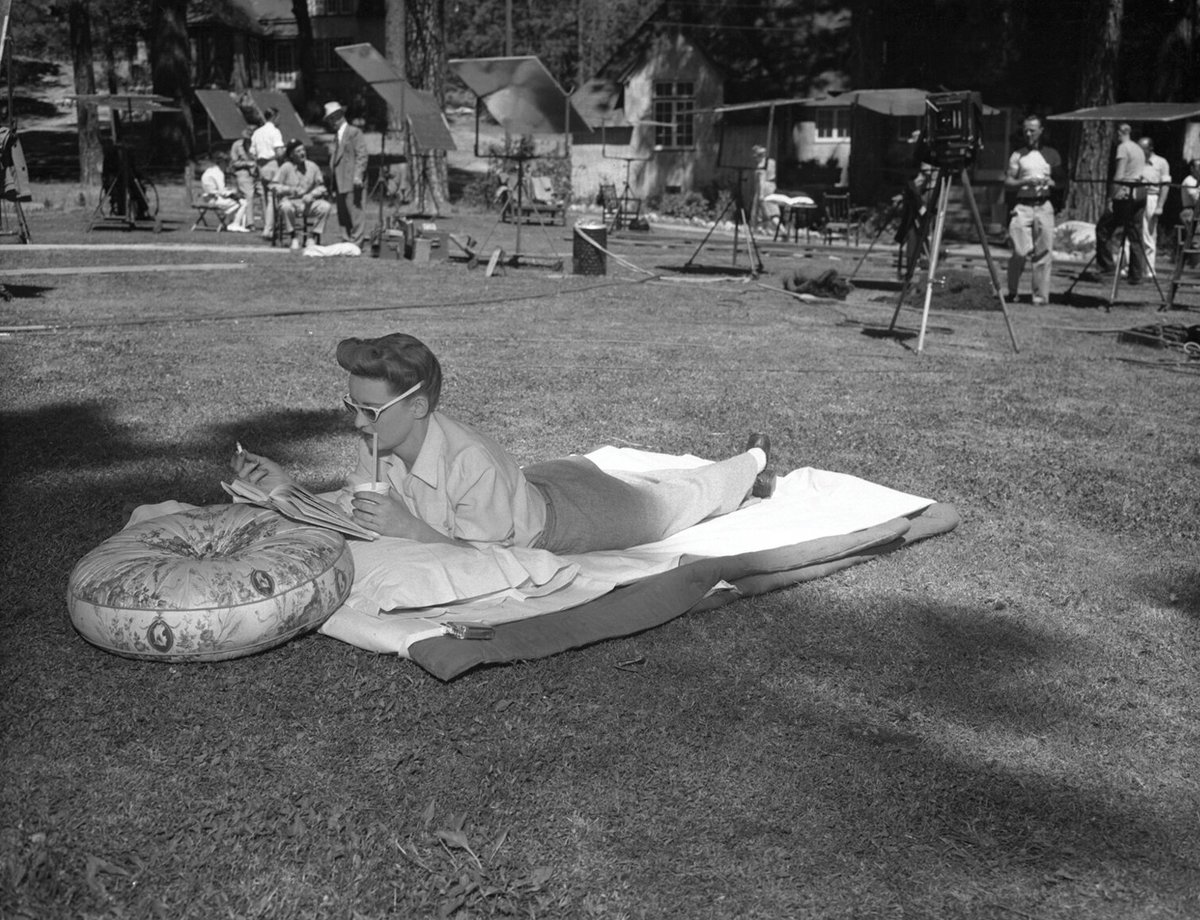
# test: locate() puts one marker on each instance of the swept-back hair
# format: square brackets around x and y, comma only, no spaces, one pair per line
[402,360]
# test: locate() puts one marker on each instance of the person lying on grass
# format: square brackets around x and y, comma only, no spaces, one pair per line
[448,482]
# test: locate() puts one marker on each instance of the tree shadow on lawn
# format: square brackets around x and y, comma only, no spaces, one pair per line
[83,437]
[105,467]
[992,679]
[946,742]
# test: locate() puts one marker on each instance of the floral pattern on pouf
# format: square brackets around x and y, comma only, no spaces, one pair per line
[208,584]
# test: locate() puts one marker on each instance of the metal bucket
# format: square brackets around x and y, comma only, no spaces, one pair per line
[587,259]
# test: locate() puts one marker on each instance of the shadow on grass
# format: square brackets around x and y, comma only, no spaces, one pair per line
[696,268]
[85,438]
[73,473]
[25,291]
[971,741]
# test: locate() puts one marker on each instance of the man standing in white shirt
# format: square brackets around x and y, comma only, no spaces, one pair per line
[266,144]
[1127,199]
[1157,176]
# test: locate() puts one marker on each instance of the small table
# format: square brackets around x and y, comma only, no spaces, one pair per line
[796,212]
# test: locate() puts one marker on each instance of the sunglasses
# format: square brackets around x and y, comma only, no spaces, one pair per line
[372,413]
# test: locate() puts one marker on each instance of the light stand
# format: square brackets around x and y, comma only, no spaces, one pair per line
[516,209]
[10,151]
[739,218]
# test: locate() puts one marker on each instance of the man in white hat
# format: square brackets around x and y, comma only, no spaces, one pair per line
[348,169]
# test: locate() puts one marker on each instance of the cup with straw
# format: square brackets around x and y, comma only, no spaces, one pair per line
[379,486]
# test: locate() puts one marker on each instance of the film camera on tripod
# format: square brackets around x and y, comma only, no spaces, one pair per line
[953,129]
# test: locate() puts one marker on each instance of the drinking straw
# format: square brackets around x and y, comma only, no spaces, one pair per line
[375,452]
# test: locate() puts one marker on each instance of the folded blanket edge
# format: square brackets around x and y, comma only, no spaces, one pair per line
[643,605]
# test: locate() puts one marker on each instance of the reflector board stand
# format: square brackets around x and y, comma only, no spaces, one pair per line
[523,98]
[422,120]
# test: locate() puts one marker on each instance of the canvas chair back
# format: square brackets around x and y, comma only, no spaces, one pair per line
[541,190]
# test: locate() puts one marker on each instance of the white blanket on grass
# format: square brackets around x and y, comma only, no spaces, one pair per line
[405,592]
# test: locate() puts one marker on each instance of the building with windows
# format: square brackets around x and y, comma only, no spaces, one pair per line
[650,108]
[252,44]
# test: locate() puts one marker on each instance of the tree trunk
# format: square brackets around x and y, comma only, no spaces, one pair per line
[426,45]
[171,66]
[306,90]
[79,25]
[866,44]
[1097,86]
[394,31]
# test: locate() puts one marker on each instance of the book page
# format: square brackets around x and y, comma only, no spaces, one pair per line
[297,503]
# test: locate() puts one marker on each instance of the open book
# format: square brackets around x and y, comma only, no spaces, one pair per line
[297,503]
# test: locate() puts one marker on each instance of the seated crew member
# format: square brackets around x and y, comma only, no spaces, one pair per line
[451,483]
[214,190]
[301,190]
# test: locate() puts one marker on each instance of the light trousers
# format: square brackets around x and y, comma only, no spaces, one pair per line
[1032,232]
[588,510]
[1150,230]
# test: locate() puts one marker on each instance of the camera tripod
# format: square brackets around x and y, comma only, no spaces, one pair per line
[933,247]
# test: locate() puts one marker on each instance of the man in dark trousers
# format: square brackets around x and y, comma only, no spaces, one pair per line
[1126,204]
[348,169]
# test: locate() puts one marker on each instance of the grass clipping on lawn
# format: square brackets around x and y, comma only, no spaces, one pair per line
[1000,722]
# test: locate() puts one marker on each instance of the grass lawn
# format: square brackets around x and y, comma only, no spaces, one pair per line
[997,723]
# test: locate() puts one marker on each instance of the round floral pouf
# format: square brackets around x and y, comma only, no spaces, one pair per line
[208,584]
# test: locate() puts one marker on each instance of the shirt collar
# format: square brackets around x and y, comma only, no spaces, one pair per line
[426,467]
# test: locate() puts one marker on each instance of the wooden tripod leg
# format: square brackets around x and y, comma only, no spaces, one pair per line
[711,231]
[939,226]
[756,263]
[1116,284]
[987,253]
[923,229]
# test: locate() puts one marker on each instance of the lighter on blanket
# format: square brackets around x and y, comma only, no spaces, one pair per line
[465,630]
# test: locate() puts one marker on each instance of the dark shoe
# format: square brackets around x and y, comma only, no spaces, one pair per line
[764,484]
[762,442]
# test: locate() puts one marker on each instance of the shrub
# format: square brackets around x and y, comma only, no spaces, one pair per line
[685,205]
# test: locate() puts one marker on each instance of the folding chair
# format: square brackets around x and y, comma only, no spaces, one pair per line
[541,198]
[610,203]
[840,219]
[206,209]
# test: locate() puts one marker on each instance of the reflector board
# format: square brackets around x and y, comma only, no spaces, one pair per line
[418,109]
[288,122]
[1134,112]
[223,112]
[520,94]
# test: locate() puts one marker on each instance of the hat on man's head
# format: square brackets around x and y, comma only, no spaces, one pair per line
[332,108]
[293,144]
